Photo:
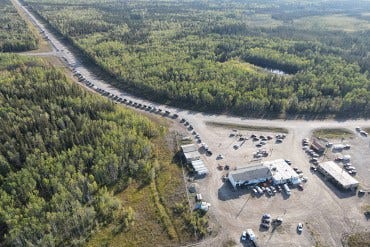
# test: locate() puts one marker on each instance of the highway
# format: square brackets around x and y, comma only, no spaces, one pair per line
[195,118]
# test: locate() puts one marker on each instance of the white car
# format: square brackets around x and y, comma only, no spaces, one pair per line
[300,227]
[244,236]
[251,235]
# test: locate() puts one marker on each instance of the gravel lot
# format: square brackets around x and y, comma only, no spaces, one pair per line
[326,212]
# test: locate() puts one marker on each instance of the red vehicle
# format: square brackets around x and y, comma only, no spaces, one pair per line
[300,187]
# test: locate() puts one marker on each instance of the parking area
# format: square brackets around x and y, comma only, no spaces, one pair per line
[325,212]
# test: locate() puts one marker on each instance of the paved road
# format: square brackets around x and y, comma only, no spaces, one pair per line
[298,129]
[194,117]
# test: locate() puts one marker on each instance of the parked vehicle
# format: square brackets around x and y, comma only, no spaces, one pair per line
[278,187]
[244,235]
[352,172]
[220,157]
[260,191]
[272,188]
[364,133]
[347,146]
[250,234]
[300,227]
[300,186]
[361,192]
[277,221]
[266,216]
[286,189]
[267,221]
[269,192]
[265,226]
[255,192]
[350,168]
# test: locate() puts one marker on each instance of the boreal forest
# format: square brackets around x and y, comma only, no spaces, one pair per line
[14,33]
[73,165]
[250,58]
[75,168]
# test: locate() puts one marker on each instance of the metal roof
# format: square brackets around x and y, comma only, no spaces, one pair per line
[340,175]
[189,148]
[192,155]
[199,166]
[251,173]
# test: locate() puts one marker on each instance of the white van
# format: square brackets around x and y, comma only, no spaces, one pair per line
[250,234]
[286,189]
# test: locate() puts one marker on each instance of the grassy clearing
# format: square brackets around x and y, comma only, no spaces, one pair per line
[248,127]
[333,22]
[155,222]
[336,133]
[262,20]
[246,67]
[359,240]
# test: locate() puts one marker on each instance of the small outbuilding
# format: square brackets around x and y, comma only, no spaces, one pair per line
[199,167]
[318,145]
[190,152]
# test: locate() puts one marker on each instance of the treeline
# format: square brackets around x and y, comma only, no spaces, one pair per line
[62,153]
[14,33]
[202,55]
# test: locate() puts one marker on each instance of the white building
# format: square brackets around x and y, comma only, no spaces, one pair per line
[199,167]
[278,171]
[282,172]
[190,152]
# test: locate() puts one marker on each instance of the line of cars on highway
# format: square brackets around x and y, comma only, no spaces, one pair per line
[141,106]
[119,99]
[362,132]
